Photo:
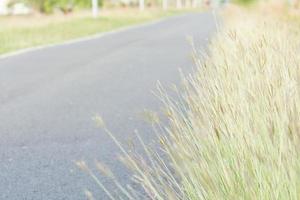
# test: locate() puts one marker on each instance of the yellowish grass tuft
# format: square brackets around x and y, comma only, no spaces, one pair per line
[238,137]
[235,135]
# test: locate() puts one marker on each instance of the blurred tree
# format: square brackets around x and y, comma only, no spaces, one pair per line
[66,6]
[244,2]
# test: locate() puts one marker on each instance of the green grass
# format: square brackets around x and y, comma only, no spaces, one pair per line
[24,35]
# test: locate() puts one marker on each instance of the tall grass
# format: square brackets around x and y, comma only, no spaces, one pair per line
[235,132]
[239,139]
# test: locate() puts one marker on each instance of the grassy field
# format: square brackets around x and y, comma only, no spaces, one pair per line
[235,132]
[23,32]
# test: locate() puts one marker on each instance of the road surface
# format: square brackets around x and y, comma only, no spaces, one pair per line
[48,98]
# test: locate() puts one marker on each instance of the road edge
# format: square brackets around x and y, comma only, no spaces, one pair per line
[90,37]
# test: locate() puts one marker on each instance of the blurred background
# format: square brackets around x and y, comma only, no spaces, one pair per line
[31,23]
[27,7]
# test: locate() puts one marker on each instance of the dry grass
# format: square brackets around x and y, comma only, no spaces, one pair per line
[235,132]
[240,138]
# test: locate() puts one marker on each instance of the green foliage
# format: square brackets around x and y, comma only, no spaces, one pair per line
[244,2]
[83,3]
[48,6]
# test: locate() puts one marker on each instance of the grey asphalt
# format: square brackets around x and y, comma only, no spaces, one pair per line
[48,98]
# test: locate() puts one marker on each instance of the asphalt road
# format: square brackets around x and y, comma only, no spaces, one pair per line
[48,98]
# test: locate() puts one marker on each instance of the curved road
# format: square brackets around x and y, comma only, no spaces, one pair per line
[48,98]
